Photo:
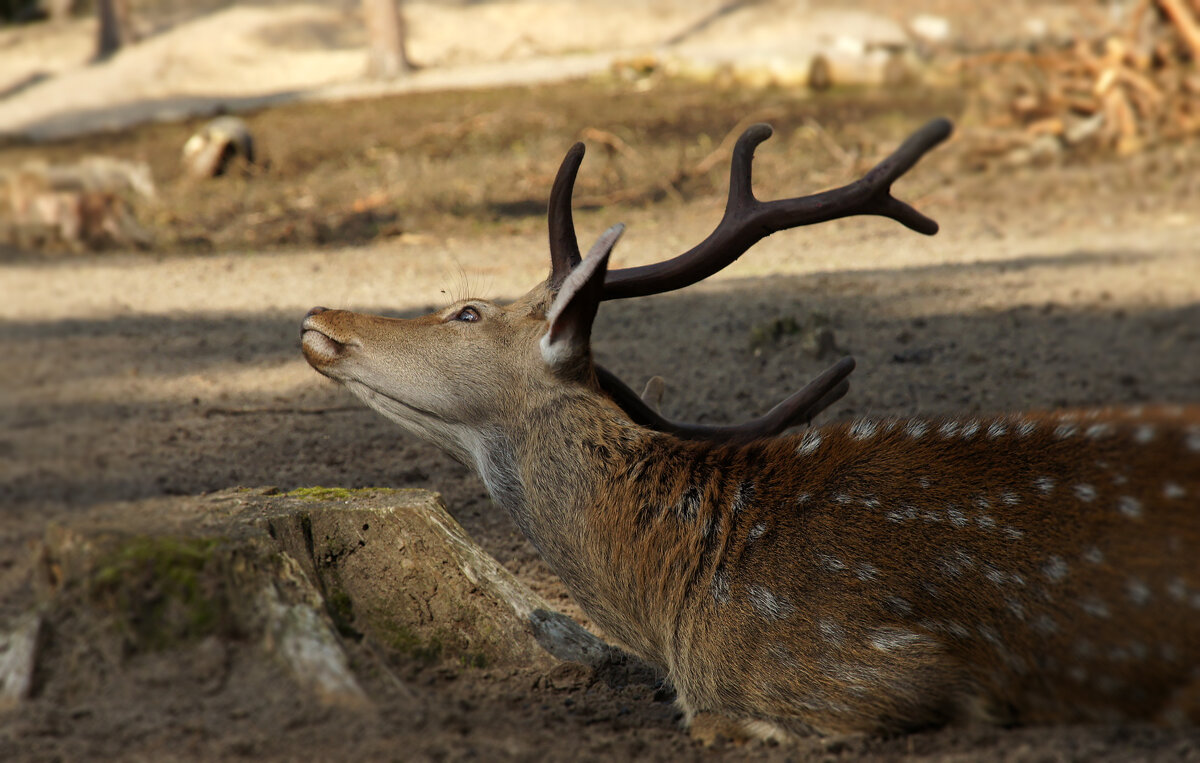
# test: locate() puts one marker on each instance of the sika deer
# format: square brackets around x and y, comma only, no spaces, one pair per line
[873,576]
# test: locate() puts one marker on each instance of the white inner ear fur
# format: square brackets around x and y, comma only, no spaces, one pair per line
[560,347]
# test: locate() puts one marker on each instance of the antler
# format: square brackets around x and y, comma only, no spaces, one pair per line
[747,220]
[800,408]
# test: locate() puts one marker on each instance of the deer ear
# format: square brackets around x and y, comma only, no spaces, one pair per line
[574,308]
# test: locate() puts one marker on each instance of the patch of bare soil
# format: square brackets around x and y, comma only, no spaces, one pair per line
[135,376]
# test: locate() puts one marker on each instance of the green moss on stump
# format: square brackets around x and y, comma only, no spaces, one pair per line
[163,590]
[317,493]
[409,643]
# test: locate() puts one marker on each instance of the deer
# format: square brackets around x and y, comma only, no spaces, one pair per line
[870,576]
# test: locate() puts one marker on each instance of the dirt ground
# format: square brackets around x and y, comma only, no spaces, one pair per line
[175,372]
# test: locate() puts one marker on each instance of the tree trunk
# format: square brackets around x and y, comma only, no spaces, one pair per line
[115,28]
[386,39]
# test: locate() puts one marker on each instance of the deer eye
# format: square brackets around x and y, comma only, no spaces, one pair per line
[467,315]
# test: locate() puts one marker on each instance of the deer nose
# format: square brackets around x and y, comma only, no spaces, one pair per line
[315,311]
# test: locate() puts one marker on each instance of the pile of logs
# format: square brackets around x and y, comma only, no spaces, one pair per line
[1117,92]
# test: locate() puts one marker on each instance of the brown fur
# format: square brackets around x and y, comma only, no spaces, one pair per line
[875,576]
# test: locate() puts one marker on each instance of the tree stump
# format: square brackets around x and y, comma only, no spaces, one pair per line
[195,585]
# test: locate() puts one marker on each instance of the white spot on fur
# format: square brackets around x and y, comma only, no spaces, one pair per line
[1063,431]
[997,429]
[949,567]
[1044,484]
[866,571]
[890,639]
[970,429]
[1085,492]
[1129,506]
[809,442]
[1119,479]
[1045,625]
[831,631]
[871,502]
[1013,533]
[1055,569]
[863,429]
[994,574]
[1094,606]
[948,429]
[1096,431]
[743,497]
[756,532]
[1193,439]
[831,563]
[1094,555]
[1173,490]
[1137,591]
[1143,434]
[898,605]
[989,635]
[767,604]
[916,429]
[956,629]
[1010,499]
[843,498]
[1026,427]
[720,587]
[1177,589]
[957,518]
[985,521]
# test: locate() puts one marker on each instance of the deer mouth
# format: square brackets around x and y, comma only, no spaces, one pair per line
[320,349]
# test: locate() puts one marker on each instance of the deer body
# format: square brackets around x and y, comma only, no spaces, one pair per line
[872,576]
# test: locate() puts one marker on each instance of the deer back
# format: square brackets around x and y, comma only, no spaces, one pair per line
[895,574]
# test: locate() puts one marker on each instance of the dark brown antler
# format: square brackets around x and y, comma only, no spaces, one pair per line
[747,220]
[800,408]
[564,246]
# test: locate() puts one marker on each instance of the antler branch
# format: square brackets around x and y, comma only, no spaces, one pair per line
[564,246]
[746,220]
[800,408]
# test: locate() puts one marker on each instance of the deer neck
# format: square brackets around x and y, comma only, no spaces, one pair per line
[576,476]
[546,467]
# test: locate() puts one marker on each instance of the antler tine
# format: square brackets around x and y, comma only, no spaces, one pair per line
[564,246]
[800,408]
[748,220]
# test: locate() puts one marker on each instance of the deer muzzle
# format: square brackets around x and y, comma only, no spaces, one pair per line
[323,339]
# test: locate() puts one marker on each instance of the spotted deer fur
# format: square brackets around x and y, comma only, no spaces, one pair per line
[878,575]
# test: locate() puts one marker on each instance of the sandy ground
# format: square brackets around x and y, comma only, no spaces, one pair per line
[130,377]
